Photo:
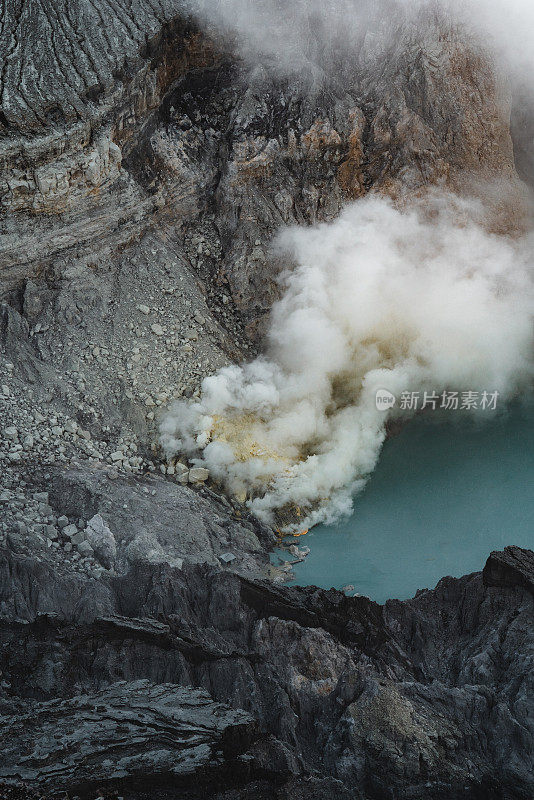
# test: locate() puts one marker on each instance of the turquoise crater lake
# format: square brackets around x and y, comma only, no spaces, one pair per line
[444,494]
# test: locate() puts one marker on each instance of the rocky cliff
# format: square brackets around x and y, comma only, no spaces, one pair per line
[300,692]
[146,164]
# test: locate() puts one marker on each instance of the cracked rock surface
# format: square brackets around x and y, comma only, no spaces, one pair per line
[127,730]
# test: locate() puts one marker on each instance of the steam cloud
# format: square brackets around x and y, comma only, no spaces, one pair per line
[421,299]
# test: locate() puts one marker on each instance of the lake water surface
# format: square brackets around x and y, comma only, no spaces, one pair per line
[445,493]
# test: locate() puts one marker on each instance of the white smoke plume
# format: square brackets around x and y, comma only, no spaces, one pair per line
[423,299]
[420,299]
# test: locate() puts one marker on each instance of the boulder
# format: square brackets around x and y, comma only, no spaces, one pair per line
[198,475]
[101,539]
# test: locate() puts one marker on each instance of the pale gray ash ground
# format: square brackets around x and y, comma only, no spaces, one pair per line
[148,649]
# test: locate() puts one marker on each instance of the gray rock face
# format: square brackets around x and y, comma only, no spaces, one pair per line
[430,698]
[152,520]
[513,567]
[43,86]
[124,732]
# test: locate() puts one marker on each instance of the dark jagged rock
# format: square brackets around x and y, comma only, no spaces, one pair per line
[431,698]
[513,567]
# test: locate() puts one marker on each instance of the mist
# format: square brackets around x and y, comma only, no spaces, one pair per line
[413,300]
[505,28]
[317,37]
[306,36]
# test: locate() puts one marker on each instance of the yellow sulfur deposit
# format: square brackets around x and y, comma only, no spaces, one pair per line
[243,434]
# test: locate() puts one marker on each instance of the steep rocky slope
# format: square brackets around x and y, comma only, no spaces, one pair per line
[147,165]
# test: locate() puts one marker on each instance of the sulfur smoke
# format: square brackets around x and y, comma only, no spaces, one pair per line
[421,299]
